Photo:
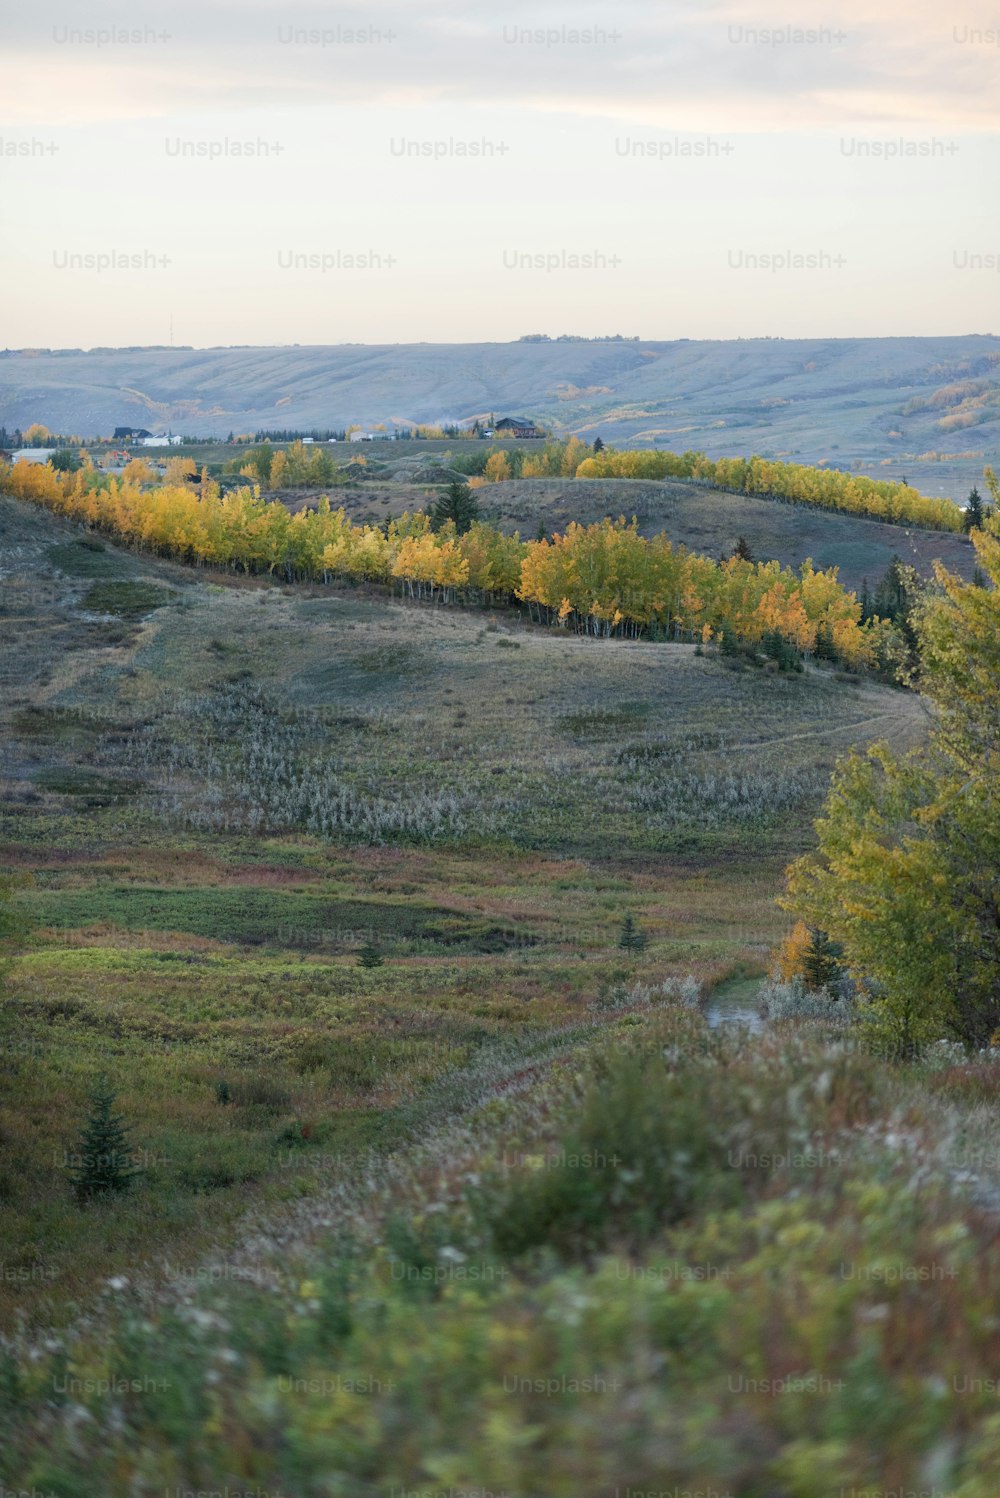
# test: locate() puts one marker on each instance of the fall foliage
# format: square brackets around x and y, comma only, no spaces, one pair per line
[824,488]
[601,579]
[906,875]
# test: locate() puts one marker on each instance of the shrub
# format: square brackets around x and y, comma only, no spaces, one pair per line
[645,1145]
[780,1000]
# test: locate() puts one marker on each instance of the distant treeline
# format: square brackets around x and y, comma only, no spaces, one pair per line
[601,579]
[792,483]
[824,488]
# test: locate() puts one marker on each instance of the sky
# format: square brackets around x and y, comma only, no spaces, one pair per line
[221,173]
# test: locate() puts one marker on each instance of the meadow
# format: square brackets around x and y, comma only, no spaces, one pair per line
[221,790]
[510,1211]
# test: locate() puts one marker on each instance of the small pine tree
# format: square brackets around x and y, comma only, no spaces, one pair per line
[974,516]
[825,649]
[101,1162]
[598,445]
[370,956]
[742,550]
[821,960]
[630,938]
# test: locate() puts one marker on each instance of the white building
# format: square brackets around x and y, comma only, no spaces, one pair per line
[32,454]
[165,440]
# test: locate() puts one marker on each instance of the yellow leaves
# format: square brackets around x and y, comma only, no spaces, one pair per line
[497,467]
[138,471]
[178,470]
[605,576]
[792,952]
[826,488]
[452,569]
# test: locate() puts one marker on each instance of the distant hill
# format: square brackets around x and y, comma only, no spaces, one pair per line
[924,408]
[710,522]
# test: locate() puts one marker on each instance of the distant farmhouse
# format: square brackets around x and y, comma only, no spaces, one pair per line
[516,426]
[145,438]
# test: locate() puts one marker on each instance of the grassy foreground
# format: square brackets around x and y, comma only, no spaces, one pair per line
[679,1260]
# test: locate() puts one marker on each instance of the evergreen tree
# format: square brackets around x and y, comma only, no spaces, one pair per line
[729,643]
[458,505]
[742,550]
[630,938]
[973,517]
[821,960]
[824,649]
[370,956]
[896,598]
[598,445]
[101,1162]
[777,648]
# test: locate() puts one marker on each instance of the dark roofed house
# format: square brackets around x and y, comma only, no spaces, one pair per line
[123,433]
[516,426]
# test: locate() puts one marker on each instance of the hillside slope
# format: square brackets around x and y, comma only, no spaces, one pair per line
[710,521]
[931,406]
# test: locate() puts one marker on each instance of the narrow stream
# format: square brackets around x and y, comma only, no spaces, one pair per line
[735,1003]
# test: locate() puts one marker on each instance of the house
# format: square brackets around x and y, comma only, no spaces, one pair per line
[164,440]
[516,426]
[122,434]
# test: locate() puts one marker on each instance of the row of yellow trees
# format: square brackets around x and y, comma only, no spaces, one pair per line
[825,488]
[603,579]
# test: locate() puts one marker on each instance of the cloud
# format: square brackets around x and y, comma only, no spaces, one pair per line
[726,65]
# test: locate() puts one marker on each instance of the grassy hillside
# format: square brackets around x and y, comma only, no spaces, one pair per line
[709,522]
[223,790]
[705,520]
[928,408]
[510,1213]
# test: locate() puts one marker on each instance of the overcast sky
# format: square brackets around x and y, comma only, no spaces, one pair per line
[305,174]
